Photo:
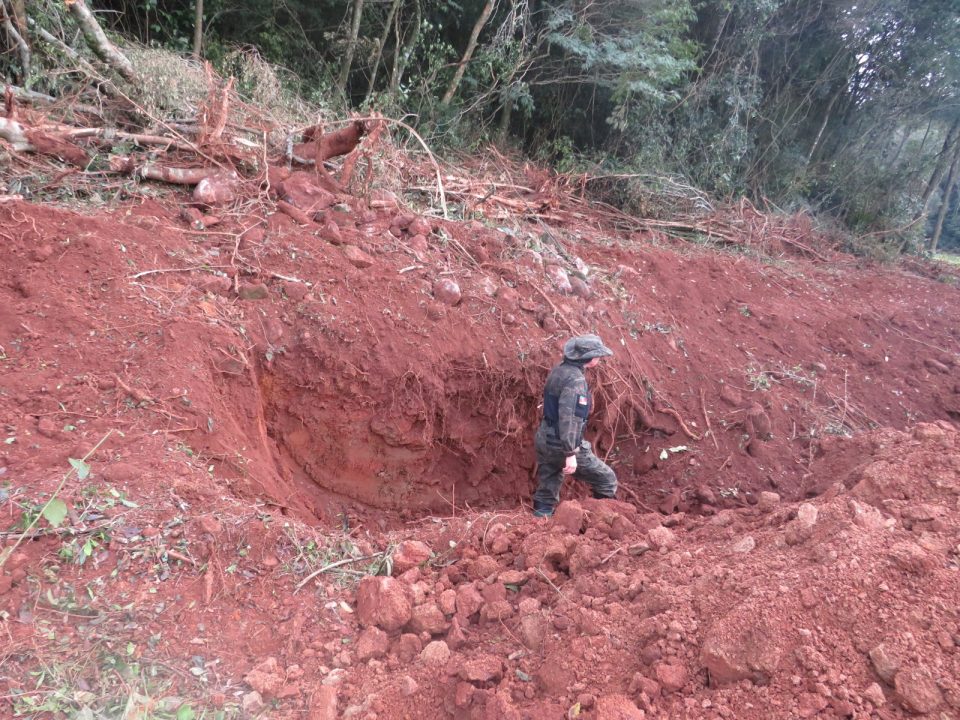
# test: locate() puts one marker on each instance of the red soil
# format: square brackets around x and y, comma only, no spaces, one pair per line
[260,380]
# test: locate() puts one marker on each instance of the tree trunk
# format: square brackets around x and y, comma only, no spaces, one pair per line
[17,35]
[506,112]
[823,125]
[98,42]
[938,170]
[402,56]
[198,29]
[395,5]
[351,45]
[907,132]
[18,9]
[468,53]
[945,203]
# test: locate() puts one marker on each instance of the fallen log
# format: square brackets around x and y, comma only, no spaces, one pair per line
[165,173]
[98,42]
[54,146]
[26,139]
[32,96]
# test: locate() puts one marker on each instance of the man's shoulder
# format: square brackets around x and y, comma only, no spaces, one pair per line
[567,373]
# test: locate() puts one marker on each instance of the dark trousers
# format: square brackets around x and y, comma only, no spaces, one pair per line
[550,461]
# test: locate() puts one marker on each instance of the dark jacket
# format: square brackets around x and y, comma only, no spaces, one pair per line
[566,406]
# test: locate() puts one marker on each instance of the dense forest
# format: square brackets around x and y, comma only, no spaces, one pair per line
[845,108]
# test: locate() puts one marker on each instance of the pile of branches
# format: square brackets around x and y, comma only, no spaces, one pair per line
[210,153]
[568,200]
[743,226]
[218,144]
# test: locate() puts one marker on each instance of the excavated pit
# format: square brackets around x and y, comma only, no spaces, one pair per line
[454,434]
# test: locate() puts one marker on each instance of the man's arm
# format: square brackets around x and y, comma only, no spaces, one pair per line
[572,411]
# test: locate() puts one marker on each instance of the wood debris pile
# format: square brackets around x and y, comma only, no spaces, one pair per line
[221,161]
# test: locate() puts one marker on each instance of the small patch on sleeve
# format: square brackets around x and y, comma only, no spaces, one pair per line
[582,407]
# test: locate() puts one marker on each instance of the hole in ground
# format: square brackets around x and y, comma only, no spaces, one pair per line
[454,435]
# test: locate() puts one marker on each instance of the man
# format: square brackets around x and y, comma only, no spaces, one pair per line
[561,449]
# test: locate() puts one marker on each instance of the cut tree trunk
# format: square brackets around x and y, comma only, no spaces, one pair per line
[164,173]
[330,145]
[98,41]
[26,139]
[468,53]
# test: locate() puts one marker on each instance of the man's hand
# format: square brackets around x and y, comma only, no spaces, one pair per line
[571,465]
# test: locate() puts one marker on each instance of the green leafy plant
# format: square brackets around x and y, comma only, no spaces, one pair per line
[53,508]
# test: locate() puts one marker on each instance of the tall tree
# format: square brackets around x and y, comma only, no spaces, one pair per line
[468,52]
[405,47]
[950,141]
[15,27]
[354,34]
[198,28]
[381,43]
[951,184]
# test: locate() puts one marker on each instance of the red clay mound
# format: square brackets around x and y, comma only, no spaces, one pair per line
[254,378]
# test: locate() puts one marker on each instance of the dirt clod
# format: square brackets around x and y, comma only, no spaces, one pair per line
[917,690]
[383,602]
[410,554]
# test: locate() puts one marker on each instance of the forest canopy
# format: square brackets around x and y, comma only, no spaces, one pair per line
[844,108]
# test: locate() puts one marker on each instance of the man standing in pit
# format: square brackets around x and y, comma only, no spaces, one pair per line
[561,449]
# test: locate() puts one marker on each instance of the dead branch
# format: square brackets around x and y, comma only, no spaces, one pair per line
[32,96]
[331,566]
[706,420]
[141,139]
[298,215]
[138,395]
[212,117]
[555,308]
[98,42]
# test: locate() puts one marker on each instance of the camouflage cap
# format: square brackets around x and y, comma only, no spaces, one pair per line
[585,347]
